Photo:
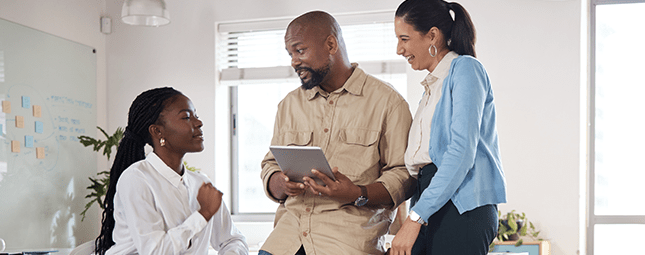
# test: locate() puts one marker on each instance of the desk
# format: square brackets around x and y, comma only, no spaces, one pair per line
[533,247]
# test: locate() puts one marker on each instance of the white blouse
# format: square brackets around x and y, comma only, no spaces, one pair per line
[156,212]
[417,154]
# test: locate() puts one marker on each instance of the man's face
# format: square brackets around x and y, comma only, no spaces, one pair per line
[308,55]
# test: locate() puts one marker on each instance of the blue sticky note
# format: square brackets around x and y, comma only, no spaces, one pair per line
[29,141]
[26,102]
[39,127]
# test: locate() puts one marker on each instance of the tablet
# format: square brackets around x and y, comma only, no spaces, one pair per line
[297,161]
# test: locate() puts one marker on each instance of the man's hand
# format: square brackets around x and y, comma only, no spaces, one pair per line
[342,190]
[280,186]
[405,238]
[209,199]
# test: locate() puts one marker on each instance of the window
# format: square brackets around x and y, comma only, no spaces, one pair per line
[616,208]
[254,70]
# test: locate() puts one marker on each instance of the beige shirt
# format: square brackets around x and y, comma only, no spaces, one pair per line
[418,153]
[363,129]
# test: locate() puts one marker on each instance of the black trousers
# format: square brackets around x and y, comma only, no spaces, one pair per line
[449,232]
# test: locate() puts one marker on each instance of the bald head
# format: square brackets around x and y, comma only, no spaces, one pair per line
[318,25]
[322,23]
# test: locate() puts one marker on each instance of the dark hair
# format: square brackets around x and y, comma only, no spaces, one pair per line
[144,111]
[426,14]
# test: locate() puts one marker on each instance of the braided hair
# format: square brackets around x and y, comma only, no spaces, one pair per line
[425,14]
[144,111]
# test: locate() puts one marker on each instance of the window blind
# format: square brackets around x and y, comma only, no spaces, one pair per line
[261,55]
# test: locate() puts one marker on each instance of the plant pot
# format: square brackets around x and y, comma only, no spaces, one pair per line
[513,237]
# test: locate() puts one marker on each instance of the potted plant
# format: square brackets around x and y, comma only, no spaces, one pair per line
[513,226]
[99,185]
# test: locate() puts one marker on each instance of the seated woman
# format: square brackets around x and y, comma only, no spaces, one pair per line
[153,205]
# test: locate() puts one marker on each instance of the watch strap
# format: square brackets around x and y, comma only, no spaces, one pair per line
[362,200]
[417,218]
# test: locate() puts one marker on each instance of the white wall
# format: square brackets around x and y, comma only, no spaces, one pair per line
[75,20]
[530,48]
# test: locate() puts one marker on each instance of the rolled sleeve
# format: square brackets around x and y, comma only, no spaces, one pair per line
[394,175]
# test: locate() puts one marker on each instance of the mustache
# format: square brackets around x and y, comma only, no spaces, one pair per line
[305,68]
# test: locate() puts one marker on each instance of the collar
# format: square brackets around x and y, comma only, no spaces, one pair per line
[440,72]
[165,171]
[353,85]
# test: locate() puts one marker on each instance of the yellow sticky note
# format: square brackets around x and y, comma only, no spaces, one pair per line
[20,121]
[40,152]
[37,111]
[6,106]
[15,146]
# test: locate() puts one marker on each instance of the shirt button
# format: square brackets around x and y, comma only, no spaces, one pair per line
[326,130]
[304,234]
[331,101]
[308,209]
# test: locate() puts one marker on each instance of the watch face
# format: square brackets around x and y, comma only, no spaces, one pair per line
[360,201]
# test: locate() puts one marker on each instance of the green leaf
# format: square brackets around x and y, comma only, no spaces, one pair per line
[512,224]
[519,242]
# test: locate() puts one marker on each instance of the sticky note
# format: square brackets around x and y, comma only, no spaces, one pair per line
[29,141]
[20,121]
[26,102]
[40,152]
[15,146]
[37,111]
[6,106]
[39,127]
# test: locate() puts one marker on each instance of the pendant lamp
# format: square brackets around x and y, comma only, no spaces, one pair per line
[150,13]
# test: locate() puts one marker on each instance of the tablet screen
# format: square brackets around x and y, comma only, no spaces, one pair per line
[297,161]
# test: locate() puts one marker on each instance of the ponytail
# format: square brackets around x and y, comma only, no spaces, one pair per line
[462,37]
[144,111]
[423,15]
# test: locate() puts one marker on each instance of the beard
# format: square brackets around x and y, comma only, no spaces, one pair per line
[317,76]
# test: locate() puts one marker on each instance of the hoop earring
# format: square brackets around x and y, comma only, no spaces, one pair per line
[435,51]
[162,142]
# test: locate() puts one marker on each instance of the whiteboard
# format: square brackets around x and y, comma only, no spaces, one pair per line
[42,186]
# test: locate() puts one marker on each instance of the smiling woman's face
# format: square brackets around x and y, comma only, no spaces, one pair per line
[181,126]
[413,45]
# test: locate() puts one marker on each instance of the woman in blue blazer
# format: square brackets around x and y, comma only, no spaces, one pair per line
[453,148]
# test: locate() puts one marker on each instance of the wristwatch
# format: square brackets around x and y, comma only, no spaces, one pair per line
[362,200]
[417,218]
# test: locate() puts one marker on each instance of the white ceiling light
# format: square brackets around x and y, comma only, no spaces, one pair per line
[151,13]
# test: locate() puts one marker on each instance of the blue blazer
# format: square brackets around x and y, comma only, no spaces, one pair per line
[464,144]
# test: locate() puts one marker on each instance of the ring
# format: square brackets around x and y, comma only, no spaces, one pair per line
[319,194]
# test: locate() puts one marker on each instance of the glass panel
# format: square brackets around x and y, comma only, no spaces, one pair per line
[618,239]
[257,105]
[619,121]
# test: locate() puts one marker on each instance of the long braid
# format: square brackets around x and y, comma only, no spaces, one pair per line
[144,111]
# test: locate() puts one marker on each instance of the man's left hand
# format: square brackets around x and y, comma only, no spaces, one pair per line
[343,189]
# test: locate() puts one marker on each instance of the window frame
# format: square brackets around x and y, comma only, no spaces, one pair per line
[592,218]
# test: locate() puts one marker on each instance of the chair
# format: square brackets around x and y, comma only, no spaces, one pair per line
[86,248]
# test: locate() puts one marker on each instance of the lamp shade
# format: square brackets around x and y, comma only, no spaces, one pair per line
[145,13]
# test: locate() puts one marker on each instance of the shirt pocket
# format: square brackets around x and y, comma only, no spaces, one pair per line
[297,138]
[359,154]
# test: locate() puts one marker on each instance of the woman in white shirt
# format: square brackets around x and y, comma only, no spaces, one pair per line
[153,205]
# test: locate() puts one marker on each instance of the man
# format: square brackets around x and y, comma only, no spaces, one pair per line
[362,124]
